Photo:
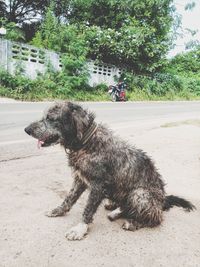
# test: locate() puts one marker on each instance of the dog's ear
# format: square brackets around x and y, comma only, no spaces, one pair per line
[76,118]
[80,120]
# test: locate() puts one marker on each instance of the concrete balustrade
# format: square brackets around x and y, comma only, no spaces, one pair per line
[36,61]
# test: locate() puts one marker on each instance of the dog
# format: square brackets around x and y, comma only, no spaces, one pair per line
[108,167]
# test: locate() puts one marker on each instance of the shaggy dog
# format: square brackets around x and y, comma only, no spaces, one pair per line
[108,167]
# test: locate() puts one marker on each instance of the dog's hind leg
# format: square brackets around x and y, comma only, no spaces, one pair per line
[76,191]
[110,205]
[132,225]
[152,218]
[144,210]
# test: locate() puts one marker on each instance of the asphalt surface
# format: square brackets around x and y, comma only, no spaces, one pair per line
[34,181]
[15,116]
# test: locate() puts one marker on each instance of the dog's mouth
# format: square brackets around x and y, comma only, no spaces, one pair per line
[49,141]
[40,144]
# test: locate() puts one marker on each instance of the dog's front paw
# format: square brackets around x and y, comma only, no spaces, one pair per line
[59,211]
[77,232]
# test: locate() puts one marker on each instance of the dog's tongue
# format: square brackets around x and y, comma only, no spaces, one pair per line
[40,143]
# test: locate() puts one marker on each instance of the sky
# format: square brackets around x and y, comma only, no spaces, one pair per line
[191,20]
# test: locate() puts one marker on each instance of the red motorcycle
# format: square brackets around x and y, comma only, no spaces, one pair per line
[118,92]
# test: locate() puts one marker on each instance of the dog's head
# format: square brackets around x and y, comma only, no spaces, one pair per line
[64,123]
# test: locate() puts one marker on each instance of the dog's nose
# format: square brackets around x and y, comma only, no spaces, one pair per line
[28,130]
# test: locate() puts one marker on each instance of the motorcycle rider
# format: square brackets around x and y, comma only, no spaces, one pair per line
[118,90]
[121,86]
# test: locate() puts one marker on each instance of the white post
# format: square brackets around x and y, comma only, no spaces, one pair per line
[2,32]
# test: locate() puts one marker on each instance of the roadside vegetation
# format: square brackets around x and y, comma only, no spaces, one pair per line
[134,35]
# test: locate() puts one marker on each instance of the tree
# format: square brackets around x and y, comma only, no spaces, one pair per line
[187,63]
[136,34]
[2,8]
[193,43]
[23,11]
[190,5]
[69,40]
[28,14]
[28,11]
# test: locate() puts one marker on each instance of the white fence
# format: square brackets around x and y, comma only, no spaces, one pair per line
[34,61]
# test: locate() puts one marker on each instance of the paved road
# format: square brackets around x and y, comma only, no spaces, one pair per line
[34,181]
[15,116]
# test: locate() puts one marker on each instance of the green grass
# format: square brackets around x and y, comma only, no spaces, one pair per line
[92,95]
[42,95]
[54,87]
[139,95]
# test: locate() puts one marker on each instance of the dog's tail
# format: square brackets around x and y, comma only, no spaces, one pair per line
[171,201]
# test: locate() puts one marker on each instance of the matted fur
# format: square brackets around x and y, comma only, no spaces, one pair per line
[107,166]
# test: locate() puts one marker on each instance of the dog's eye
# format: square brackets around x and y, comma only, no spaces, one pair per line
[48,118]
[52,121]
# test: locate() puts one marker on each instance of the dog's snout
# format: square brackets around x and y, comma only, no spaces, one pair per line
[28,130]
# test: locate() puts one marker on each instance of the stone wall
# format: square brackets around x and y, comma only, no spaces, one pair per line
[34,61]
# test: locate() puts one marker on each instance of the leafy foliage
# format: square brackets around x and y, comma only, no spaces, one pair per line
[135,34]
[2,8]
[13,32]
[186,64]
[131,34]
[127,33]
[28,11]
[190,5]
[54,86]
[71,42]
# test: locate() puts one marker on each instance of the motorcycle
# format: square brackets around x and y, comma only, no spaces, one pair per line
[117,92]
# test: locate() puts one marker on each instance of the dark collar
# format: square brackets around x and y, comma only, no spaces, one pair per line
[89,133]
[85,139]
